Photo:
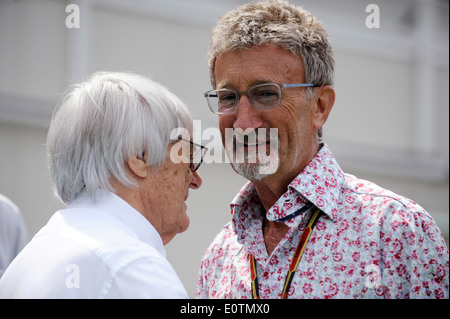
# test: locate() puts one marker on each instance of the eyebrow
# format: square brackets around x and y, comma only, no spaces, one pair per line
[229,85]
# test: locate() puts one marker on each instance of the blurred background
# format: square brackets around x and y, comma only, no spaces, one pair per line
[390,122]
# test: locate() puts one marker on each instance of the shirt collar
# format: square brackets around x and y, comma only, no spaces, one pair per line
[320,184]
[116,207]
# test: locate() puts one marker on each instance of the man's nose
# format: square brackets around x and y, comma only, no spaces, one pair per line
[196,181]
[247,116]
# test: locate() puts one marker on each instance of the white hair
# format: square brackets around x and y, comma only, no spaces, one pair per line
[98,124]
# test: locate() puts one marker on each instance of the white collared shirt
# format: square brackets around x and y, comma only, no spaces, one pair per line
[13,233]
[101,249]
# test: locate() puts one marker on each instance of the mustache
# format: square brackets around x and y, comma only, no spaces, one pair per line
[253,137]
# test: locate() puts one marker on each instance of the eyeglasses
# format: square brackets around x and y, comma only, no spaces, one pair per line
[262,96]
[198,153]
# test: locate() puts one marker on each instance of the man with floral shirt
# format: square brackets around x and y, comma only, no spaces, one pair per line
[305,229]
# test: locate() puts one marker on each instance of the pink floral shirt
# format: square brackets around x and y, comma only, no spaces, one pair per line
[369,243]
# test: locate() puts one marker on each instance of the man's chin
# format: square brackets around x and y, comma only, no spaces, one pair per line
[249,171]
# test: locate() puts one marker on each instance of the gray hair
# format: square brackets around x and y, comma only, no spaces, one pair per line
[276,23]
[98,124]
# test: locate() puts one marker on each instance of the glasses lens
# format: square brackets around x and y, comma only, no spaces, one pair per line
[222,101]
[265,96]
[197,157]
[196,160]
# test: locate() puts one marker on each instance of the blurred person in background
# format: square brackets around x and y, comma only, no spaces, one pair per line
[306,229]
[13,233]
[125,177]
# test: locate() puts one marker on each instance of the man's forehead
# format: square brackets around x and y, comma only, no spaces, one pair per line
[257,65]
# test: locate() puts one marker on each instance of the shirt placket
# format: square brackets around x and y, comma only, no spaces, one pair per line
[272,271]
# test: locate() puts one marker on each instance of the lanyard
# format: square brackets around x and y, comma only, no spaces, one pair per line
[294,263]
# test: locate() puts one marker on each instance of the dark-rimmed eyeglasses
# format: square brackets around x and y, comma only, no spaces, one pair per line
[198,153]
[262,96]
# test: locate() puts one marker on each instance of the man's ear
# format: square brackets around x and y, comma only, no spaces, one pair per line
[138,164]
[324,102]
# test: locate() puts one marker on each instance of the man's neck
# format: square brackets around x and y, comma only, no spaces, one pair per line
[273,233]
[269,193]
[269,190]
[272,187]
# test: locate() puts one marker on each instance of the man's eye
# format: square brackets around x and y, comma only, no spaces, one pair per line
[267,93]
[266,96]
[225,98]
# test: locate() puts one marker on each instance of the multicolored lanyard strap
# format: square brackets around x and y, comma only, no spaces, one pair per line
[294,263]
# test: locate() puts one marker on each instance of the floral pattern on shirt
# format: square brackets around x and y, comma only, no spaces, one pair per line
[369,243]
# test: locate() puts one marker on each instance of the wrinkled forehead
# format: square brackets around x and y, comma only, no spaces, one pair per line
[241,69]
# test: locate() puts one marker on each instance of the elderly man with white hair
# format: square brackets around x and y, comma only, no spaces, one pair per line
[125,178]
